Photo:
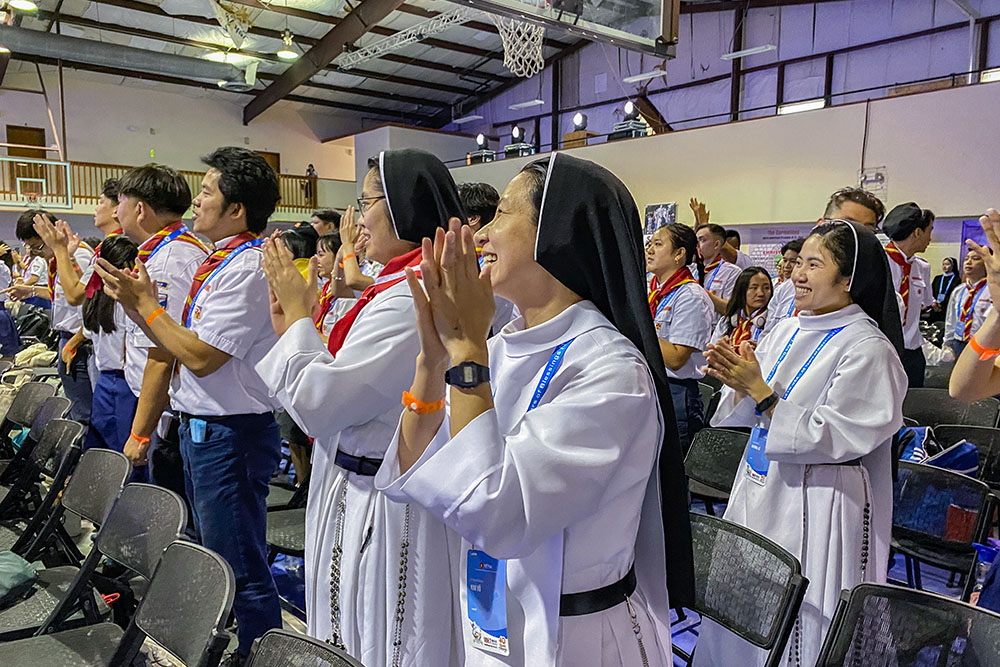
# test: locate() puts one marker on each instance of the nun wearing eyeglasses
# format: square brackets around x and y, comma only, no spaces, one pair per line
[377,571]
[823,394]
[555,458]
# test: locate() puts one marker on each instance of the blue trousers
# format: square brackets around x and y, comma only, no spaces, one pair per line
[226,476]
[111,415]
[76,381]
[688,410]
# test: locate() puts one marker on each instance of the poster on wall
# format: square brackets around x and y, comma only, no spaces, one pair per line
[658,215]
[765,244]
[971,229]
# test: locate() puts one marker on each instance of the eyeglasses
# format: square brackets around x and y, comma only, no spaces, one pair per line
[365,203]
[35,247]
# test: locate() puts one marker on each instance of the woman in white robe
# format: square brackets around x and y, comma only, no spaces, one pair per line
[376,570]
[824,394]
[555,477]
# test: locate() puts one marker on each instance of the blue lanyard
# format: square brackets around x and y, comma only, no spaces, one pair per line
[666,301]
[252,243]
[174,234]
[945,288]
[550,370]
[712,277]
[791,307]
[802,371]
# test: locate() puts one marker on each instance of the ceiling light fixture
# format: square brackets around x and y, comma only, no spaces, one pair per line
[631,110]
[752,51]
[217,56]
[804,105]
[580,121]
[466,119]
[636,78]
[23,5]
[526,105]
[287,52]
[986,76]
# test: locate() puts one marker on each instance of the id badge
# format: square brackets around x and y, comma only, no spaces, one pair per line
[196,427]
[757,463]
[486,582]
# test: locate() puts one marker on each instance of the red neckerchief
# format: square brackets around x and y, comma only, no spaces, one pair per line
[391,274]
[896,255]
[966,314]
[325,303]
[52,279]
[212,261]
[95,284]
[658,294]
[742,331]
[150,245]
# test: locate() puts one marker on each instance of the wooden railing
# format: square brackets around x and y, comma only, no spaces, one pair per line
[38,182]
[299,194]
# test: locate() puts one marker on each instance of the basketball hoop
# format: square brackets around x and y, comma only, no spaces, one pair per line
[522,45]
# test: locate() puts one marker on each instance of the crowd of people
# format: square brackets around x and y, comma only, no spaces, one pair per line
[490,395]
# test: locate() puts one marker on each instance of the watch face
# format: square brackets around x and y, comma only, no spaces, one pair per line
[468,374]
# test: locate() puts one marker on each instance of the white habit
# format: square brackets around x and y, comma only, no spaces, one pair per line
[558,492]
[354,402]
[846,406]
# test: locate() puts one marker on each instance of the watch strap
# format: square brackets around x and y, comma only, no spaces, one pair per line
[766,404]
[467,375]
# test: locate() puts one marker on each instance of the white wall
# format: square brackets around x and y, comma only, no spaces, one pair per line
[445,145]
[116,124]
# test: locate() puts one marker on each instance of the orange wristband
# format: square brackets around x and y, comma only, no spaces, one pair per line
[984,353]
[142,440]
[350,256]
[414,404]
[153,315]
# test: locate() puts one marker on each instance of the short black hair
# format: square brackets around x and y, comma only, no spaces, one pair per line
[99,310]
[246,178]
[858,196]
[330,242]
[795,245]
[158,186]
[327,215]
[733,234]
[301,241]
[479,199]
[25,229]
[717,230]
[111,188]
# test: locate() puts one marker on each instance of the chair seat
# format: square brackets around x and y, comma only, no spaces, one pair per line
[704,491]
[10,532]
[23,618]
[278,496]
[957,559]
[286,531]
[81,647]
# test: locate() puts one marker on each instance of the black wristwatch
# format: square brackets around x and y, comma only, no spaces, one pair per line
[767,404]
[467,375]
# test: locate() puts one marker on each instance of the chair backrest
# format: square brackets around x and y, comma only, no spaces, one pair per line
[58,437]
[188,602]
[715,457]
[96,483]
[888,626]
[745,582]
[142,523]
[54,407]
[986,440]
[930,407]
[937,377]
[281,648]
[935,504]
[28,400]
[707,391]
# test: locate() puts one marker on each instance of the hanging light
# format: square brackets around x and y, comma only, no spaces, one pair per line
[580,121]
[482,141]
[631,110]
[23,5]
[517,134]
[287,52]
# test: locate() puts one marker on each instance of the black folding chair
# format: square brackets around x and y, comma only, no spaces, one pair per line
[281,648]
[888,626]
[937,515]
[930,407]
[22,412]
[23,497]
[184,610]
[937,377]
[712,464]
[54,457]
[54,407]
[746,583]
[986,440]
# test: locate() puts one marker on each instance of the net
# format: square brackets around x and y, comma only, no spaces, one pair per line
[522,45]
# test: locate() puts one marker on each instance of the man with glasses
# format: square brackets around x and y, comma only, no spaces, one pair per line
[66,319]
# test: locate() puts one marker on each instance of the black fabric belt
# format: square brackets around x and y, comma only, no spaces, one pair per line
[599,599]
[359,465]
[687,383]
[852,462]
[185,417]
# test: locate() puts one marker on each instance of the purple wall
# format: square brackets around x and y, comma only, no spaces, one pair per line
[593,75]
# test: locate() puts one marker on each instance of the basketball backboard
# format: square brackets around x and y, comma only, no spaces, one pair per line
[648,26]
[32,183]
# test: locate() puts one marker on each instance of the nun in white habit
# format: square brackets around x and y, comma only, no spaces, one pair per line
[377,571]
[823,395]
[551,455]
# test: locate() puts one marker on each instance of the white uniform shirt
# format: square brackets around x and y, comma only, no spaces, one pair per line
[172,268]
[64,316]
[233,315]
[954,327]
[686,320]
[39,268]
[109,348]
[337,310]
[921,296]
[782,305]
[721,280]
[5,280]
[743,260]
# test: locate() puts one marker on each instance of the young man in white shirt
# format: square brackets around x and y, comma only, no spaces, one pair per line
[909,230]
[720,275]
[229,439]
[152,200]
[67,319]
